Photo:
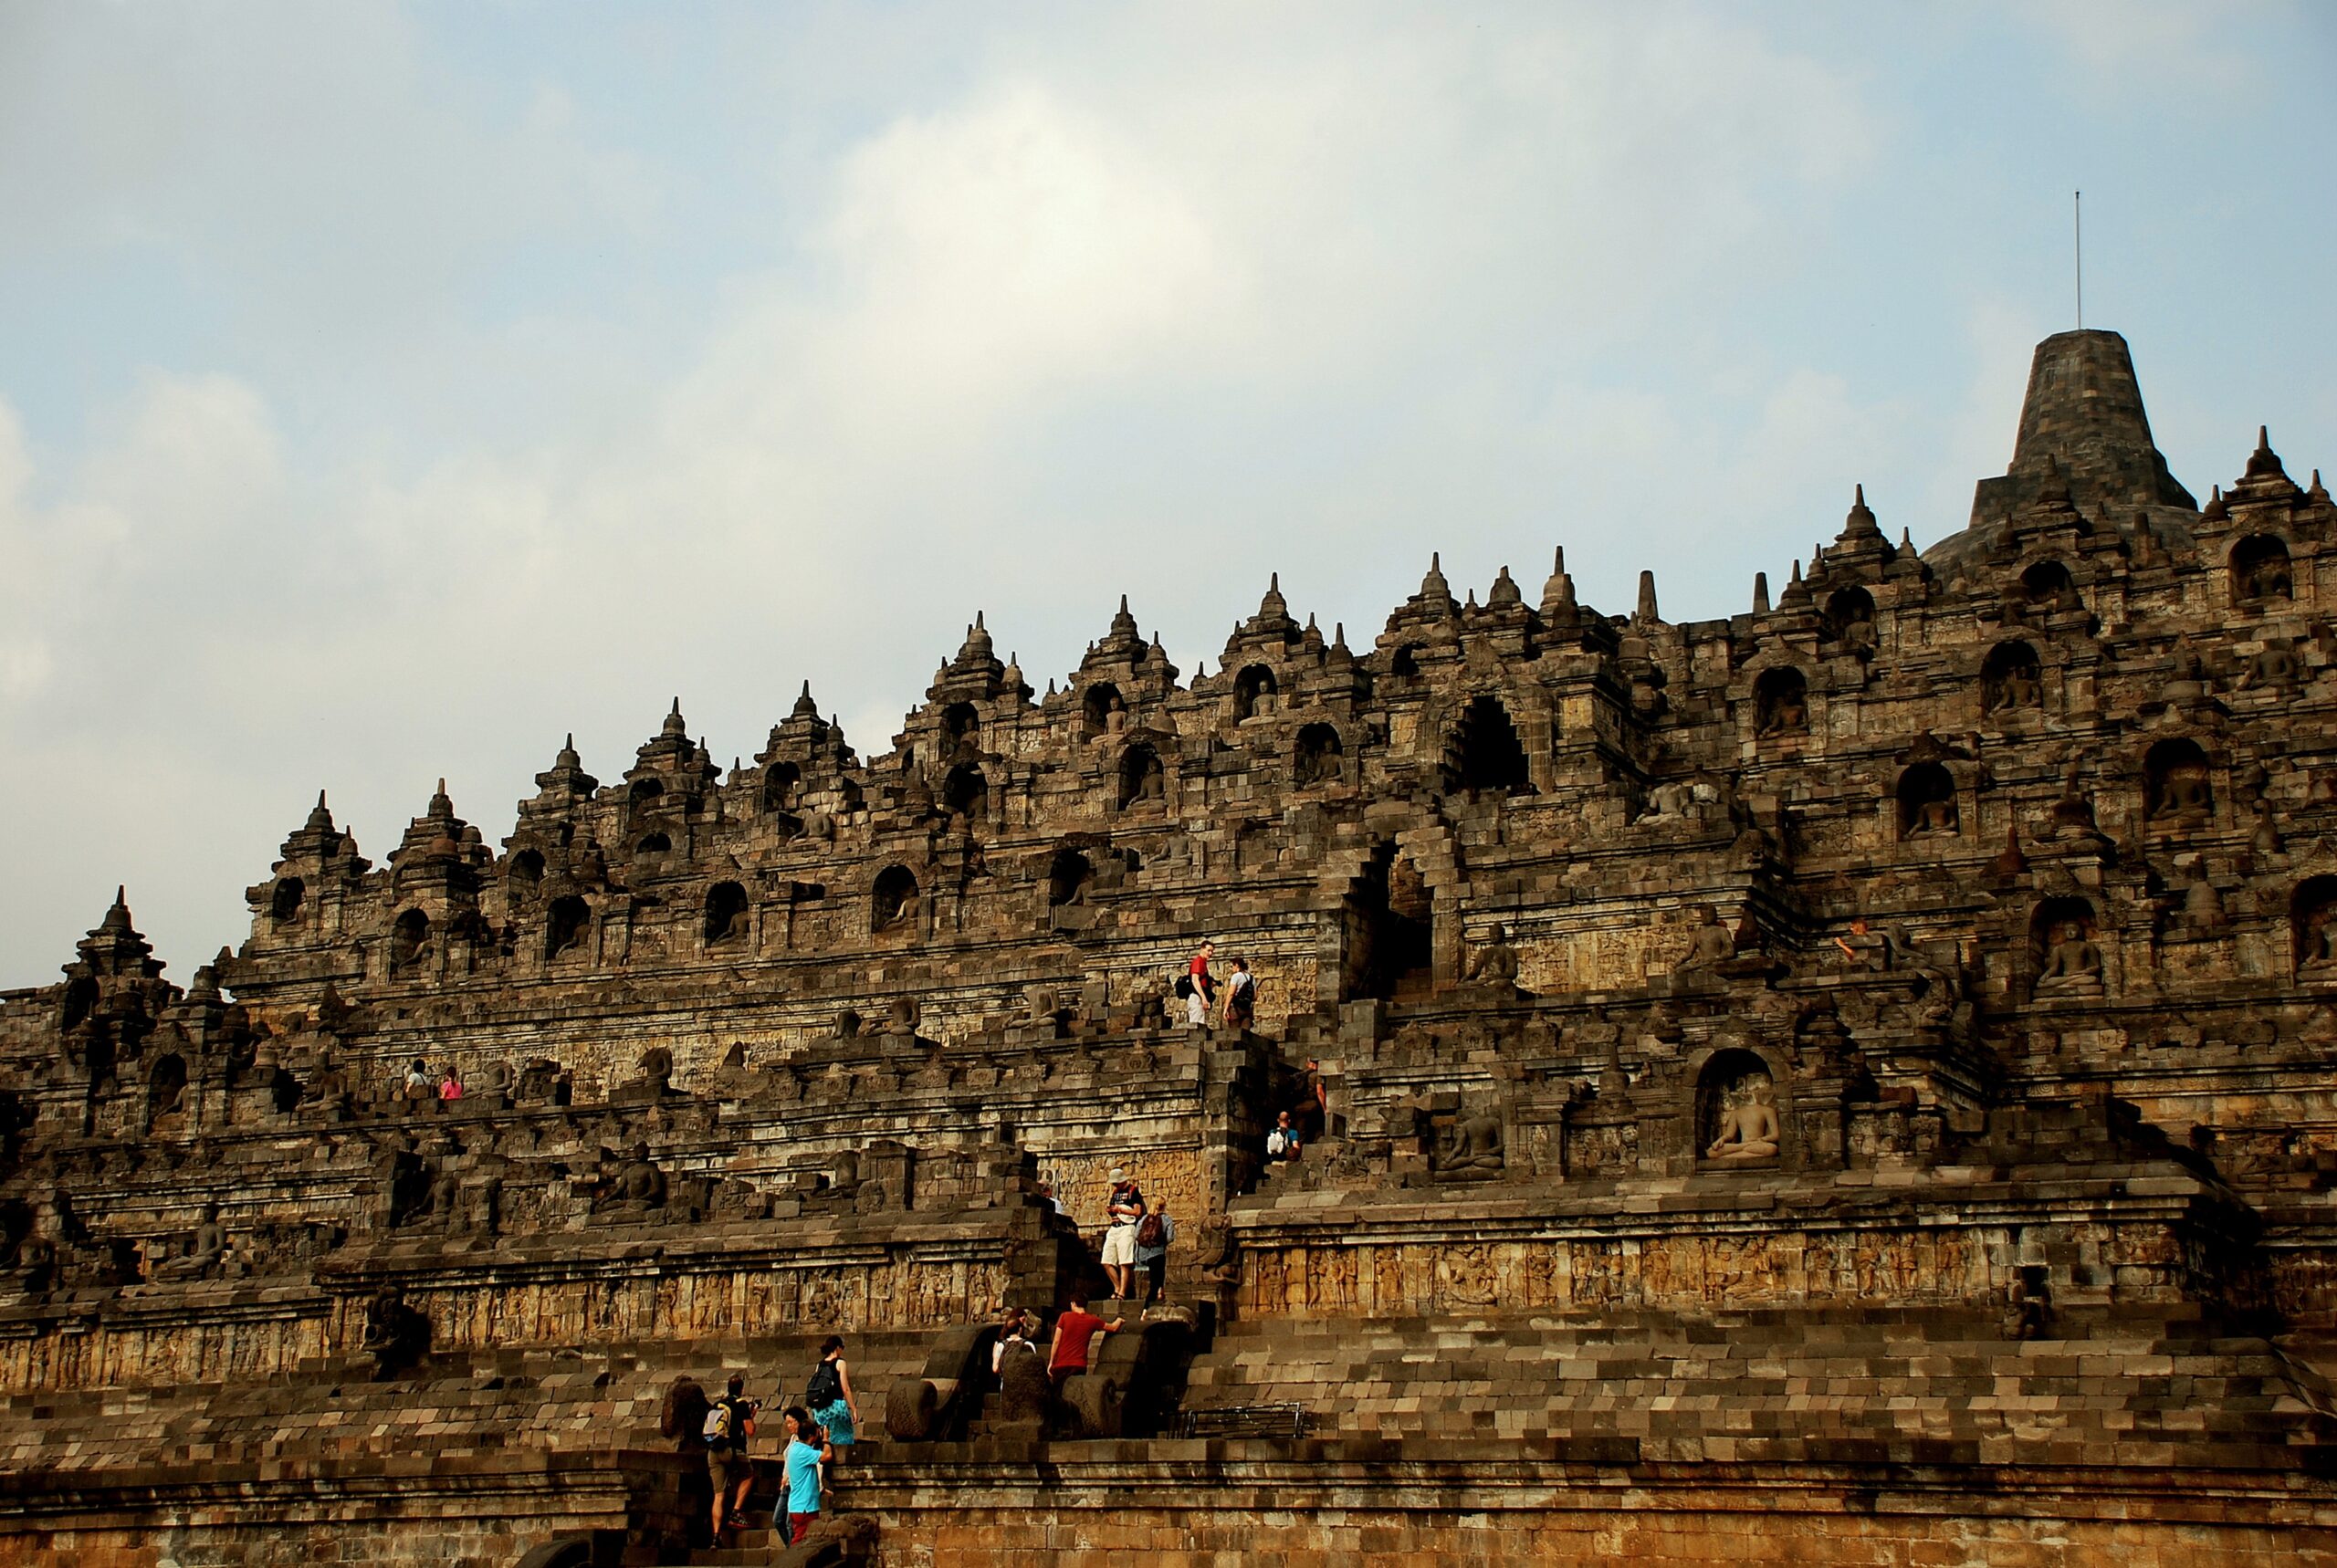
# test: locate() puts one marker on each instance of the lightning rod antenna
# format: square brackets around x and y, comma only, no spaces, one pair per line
[2077,218]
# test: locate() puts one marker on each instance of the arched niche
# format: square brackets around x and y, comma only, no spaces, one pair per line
[1142,780]
[966,792]
[165,1085]
[2061,939]
[653,846]
[2313,928]
[1849,618]
[1927,807]
[2177,790]
[780,781]
[2261,569]
[1487,755]
[1740,1119]
[1068,874]
[1101,710]
[2011,678]
[409,943]
[80,1002]
[284,1091]
[284,904]
[566,925]
[1781,702]
[2047,586]
[1389,945]
[1254,690]
[1315,755]
[893,900]
[961,728]
[1404,663]
[726,912]
[525,874]
[644,792]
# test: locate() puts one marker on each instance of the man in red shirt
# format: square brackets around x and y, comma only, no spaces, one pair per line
[1074,1330]
[1204,987]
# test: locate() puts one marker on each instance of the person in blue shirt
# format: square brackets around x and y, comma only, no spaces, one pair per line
[806,1450]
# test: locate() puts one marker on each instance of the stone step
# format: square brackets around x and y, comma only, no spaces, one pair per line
[1769,1385]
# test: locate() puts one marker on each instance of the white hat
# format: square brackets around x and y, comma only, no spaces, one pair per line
[1116,1173]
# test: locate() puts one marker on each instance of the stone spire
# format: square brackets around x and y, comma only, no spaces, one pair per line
[2264,463]
[1433,587]
[566,778]
[1646,610]
[436,835]
[2265,478]
[977,647]
[1504,594]
[1123,643]
[2084,413]
[315,838]
[1558,593]
[1796,592]
[804,706]
[1269,629]
[1157,657]
[1274,606]
[974,672]
[1859,524]
[114,946]
[1760,593]
[671,751]
[2010,862]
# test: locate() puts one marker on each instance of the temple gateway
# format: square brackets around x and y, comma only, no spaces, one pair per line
[1854,1083]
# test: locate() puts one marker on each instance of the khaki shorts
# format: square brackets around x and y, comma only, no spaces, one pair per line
[725,1467]
[1119,1245]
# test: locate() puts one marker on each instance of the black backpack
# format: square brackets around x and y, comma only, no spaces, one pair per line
[825,1388]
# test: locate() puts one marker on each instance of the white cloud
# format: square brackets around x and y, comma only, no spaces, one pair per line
[2186,48]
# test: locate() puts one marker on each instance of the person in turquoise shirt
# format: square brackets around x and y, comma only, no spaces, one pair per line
[806,1450]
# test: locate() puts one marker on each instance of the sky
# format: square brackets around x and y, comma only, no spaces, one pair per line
[387,392]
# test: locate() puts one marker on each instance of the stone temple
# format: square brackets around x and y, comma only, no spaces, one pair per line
[1852,1083]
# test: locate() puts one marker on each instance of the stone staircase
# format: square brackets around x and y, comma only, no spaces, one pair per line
[453,1404]
[760,1548]
[1789,1387]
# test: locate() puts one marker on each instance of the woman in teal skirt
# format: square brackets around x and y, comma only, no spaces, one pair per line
[830,1395]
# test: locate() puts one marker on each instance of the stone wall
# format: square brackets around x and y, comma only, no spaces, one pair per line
[1198,1503]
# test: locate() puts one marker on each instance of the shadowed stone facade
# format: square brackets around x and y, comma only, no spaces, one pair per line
[1849,1082]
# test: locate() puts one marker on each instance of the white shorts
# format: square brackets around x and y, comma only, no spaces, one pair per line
[1120,1245]
[1197,1011]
